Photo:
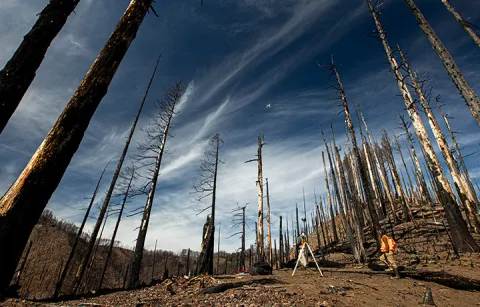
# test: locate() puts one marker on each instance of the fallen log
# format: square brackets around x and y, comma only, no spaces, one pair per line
[225,286]
[440,277]
[445,279]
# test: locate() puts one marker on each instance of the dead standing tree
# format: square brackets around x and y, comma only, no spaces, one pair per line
[383,175]
[205,185]
[259,183]
[63,273]
[418,169]
[463,189]
[457,149]
[83,265]
[23,203]
[20,70]
[269,230]
[239,220]
[150,156]
[467,26]
[461,238]
[356,151]
[470,97]
[127,183]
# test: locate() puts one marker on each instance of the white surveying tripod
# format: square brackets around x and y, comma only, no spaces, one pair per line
[301,254]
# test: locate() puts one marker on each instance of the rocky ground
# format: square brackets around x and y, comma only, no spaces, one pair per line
[306,288]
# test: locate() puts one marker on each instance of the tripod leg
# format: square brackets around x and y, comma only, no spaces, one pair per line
[313,256]
[298,259]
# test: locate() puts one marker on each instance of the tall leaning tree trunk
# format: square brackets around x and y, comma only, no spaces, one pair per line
[465,24]
[269,230]
[142,232]
[418,169]
[112,241]
[461,238]
[465,195]
[63,273]
[381,171]
[260,241]
[23,203]
[363,172]
[83,265]
[329,198]
[470,97]
[459,153]
[20,70]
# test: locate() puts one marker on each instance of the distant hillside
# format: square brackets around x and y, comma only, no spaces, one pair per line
[51,242]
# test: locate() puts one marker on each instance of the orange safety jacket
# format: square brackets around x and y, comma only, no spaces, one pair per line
[387,244]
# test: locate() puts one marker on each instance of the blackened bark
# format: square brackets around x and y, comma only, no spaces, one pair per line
[63,274]
[106,201]
[23,203]
[20,70]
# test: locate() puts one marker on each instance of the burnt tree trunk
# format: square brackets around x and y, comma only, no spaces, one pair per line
[269,230]
[23,203]
[470,97]
[418,169]
[173,96]
[462,239]
[106,201]
[20,70]
[112,241]
[381,170]
[465,24]
[459,153]
[363,173]
[465,195]
[63,274]
[329,198]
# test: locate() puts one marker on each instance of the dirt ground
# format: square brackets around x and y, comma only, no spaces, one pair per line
[306,288]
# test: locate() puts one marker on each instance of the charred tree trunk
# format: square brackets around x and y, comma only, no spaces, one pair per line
[418,169]
[363,173]
[63,274]
[459,153]
[218,252]
[269,230]
[20,70]
[206,247]
[465,24]
[399,150]
[167,111]
[465,195]
[35,185]
[470,97]
[391,160]
[462,239]
[106,201]
[281,243]
[242,254]
[329,198]
[381,170]
[112,241]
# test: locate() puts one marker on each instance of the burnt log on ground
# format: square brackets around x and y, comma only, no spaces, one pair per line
[223,287]
[261,268]
[440,277]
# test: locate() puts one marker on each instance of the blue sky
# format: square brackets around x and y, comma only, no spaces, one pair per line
[234,56]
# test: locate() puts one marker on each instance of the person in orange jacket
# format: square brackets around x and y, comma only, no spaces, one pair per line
[387,247]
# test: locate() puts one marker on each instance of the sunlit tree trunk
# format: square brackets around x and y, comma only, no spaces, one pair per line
[23,203]
[462,239]
[465,24]
[470,97]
